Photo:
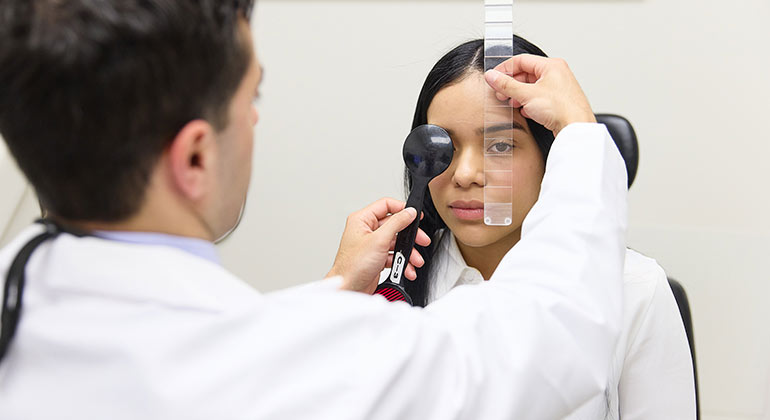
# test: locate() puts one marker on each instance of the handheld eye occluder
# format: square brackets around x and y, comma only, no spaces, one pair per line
[427,152]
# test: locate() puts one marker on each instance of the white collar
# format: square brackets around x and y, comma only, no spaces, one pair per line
[139,272]
[450,269]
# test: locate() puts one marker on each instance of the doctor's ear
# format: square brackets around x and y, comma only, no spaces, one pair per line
[191,159]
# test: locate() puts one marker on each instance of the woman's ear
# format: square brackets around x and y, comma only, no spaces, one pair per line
[191,159]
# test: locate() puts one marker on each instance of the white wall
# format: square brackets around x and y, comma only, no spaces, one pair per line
[693,76]
[18,205]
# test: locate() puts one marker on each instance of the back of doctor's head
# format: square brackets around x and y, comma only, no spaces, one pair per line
[92,91]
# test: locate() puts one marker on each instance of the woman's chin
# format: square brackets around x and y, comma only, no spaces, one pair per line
[480,235]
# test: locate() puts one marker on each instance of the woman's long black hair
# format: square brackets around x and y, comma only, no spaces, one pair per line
[452,68]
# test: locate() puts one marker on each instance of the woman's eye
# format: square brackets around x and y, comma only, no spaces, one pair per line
[500,147]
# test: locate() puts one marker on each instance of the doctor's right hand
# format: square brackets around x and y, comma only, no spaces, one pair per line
[544,89]
[367,241]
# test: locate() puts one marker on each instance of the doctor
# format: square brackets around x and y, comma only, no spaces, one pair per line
[133,121]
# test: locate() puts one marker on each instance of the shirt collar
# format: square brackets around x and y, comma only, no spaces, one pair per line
[194,246]
[450,269]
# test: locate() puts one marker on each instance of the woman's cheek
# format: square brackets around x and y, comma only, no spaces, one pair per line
[436,188]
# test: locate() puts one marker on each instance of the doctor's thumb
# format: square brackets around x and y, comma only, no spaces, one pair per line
[397,223]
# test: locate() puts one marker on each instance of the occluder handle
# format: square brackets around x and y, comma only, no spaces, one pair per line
[405,238]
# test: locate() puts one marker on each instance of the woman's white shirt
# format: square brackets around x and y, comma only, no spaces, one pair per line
[651,375]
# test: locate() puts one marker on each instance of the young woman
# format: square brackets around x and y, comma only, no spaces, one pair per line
[652,368]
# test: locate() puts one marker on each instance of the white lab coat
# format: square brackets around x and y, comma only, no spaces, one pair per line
[651,375]
[114,330]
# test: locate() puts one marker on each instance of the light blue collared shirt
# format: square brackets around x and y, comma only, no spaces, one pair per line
[198,247]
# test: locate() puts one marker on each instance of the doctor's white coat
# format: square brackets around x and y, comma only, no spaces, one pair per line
[114,330]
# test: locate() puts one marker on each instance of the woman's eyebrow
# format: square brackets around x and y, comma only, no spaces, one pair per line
[501,127]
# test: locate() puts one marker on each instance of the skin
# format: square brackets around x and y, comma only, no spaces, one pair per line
[544,89]
[459,109]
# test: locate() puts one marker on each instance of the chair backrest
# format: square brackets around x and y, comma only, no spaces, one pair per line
[625,138]
[684,310]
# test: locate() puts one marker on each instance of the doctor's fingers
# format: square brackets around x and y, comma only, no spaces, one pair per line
[395,223]
[508,87]
[421,239]
[415,259]
[380,209]
[521,77]
[409,272]
[527,69]
[525,63]
[385,219]
[555,100]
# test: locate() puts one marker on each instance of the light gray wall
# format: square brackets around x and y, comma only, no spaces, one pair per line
[18,205]
[341,80]
[693,76]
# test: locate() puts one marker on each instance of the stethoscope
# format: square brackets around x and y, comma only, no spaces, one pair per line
[13,288]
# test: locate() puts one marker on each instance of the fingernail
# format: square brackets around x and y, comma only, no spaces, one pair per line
[411,210]
[492,75]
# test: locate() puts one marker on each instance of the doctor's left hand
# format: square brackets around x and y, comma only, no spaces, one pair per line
[367,241]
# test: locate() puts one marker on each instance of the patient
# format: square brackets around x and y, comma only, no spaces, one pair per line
[652,376]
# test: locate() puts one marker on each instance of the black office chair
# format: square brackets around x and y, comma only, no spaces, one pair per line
[625,138]
[684,309]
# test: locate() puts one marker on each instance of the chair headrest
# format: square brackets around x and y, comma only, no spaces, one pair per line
[625,138]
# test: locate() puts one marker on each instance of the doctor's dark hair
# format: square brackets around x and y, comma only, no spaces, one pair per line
[92,91]
[453,68]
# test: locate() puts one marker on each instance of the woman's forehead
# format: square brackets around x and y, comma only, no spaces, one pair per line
[461,106]
[459,101]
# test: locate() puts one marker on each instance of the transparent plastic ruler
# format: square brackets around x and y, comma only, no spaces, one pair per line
[498,117]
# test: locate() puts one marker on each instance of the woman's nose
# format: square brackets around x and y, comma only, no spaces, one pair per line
[468,169]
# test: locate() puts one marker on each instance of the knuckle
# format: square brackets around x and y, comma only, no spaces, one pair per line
[561,62]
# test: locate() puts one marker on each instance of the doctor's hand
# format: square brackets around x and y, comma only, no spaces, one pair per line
[543,88]
[367,243]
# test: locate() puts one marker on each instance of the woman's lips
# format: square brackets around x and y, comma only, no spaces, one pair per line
[467,210]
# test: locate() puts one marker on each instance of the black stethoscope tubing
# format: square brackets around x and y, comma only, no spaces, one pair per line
[13,288]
